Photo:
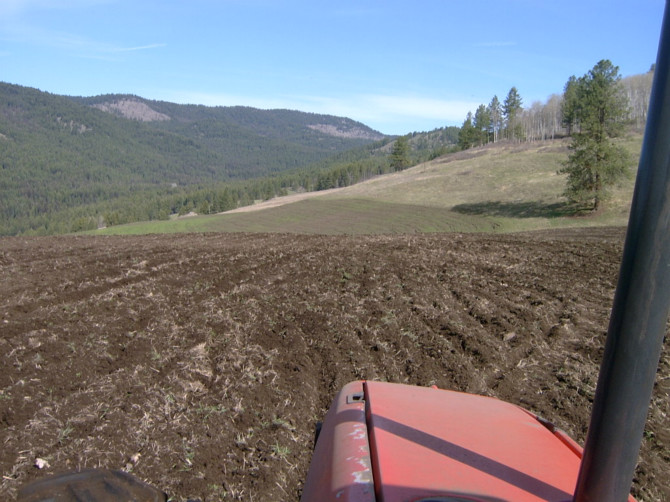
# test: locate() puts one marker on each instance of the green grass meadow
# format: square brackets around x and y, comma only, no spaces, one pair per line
[496,188]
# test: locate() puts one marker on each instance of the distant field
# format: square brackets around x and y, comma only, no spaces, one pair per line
[498,188]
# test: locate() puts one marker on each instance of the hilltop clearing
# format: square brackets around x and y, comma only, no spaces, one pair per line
[201,362]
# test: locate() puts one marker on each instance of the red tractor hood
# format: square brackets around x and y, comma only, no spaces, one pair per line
[400,443]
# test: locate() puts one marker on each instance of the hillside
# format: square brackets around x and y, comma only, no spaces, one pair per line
[245,135]
[497,188]
[59,154]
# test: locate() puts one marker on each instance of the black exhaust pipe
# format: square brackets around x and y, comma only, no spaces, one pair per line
[640,311]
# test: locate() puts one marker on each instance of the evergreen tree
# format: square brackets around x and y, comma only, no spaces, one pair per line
[468,134]
[400,154]
[596,162]
[496,115]
[482,124]
[570,103]
[225,200]
[512,108]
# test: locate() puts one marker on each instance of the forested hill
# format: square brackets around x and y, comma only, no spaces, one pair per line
[59,152]
[255,142]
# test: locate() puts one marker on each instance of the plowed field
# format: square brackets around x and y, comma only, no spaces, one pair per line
[200,363]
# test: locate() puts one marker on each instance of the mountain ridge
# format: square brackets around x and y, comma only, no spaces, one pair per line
[137,108]
[59,153]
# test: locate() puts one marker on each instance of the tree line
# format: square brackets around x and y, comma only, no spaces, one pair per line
[593,110]
[61,214]
[509,120]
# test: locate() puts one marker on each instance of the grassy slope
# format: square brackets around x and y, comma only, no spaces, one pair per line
[501,188]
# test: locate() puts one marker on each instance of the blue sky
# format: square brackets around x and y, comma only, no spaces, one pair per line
[395,66]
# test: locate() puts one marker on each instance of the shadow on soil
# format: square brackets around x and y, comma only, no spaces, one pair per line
[536,209]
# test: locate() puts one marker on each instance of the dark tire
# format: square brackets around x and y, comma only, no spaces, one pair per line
[92,485]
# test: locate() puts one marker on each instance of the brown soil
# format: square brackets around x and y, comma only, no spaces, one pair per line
[200,363]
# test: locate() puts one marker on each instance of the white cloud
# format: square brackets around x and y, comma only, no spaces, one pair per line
[16,6]
[220,99]
[390,114]
[72,43]
[10,8]
[495,44]
[413,106]
[17,23]
[140,48]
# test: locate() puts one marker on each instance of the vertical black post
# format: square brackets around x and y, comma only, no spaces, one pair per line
[640,311]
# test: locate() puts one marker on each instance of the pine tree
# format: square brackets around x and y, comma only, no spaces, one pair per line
[512,108]
[495,112]
[467,136]
[570,103]
[596,162]
[482,124]
[400,154]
